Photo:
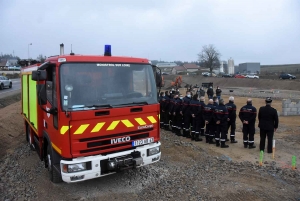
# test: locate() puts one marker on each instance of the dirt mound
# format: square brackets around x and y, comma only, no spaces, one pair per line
[11,128]
[237,82]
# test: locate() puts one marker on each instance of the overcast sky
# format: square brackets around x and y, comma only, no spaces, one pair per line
[265,31]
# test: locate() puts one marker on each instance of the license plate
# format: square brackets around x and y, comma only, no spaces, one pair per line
[142,142]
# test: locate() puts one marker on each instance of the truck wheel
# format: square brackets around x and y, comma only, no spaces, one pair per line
[55,177]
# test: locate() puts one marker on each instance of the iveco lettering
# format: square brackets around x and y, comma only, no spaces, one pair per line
[89,116]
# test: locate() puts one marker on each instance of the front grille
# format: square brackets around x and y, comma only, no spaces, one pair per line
[104,143]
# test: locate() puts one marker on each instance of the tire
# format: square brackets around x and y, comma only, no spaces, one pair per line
[1,86]
[290,78]
[10,85]
[54,176]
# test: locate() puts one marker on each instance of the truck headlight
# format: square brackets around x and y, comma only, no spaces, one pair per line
[69,168]
[153,151]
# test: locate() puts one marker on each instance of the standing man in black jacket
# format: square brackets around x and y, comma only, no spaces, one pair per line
[218,92]
[202,121]
[268,124]
[220,116]
[210,92]
[231,107]
[247,115]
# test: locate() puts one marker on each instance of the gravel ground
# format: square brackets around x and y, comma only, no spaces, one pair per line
[185,172]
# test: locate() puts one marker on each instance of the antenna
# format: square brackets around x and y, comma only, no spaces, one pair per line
[71,51]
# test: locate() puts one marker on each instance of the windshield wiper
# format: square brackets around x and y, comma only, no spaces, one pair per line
[133,103]
[74,107]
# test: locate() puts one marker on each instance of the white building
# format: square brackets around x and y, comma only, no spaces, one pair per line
[230,66]
[221,67]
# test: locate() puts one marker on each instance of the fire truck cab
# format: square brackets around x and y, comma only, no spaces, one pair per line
[91,116]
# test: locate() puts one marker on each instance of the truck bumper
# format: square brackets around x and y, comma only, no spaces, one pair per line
[94,167]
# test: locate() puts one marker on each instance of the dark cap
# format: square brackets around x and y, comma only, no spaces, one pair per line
[268,100]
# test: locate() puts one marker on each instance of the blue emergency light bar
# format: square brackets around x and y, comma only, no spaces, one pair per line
[107,50]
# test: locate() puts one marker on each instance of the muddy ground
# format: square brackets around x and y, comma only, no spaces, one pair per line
[187,171]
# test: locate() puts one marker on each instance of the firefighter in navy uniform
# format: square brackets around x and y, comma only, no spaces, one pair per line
[268,124]
[162,103]
[207,114]
[231,107]
[202,121]
[179,120]
[171,109]
[195,109]
[185,112]
[220,117]
[175,109]
[247,115]
[166,117]
[214,126]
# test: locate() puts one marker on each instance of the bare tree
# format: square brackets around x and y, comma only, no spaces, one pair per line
[41,58]
[209,57]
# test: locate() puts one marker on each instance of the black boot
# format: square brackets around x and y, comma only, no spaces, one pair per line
[217,143]
[252,146]
[192,135]
[207,138]
[197,137]
[223,145]
[232,139]
[227,138]
[188,134]
[202,132]
[245,144]
[179,132]
[211,140]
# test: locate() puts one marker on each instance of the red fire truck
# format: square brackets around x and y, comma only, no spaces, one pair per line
[91,116]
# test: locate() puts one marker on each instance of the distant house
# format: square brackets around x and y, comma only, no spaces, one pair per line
[178,69]
[191,67]
[166,67]
[3,63]
[12,62]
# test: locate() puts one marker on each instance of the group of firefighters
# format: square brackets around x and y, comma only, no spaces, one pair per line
[190,117]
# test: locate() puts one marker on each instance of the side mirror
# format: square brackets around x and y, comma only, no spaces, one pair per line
[41,94]
[39,75]
[158,76]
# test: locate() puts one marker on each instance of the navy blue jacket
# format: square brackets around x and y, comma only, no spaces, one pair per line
[231,107]
[208,112]
[195,107]
[221,114]
[186,106]
[248,113]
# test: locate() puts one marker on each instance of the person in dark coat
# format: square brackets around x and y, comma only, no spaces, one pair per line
[166,116]
[179,116]
[231,107]
[202,121]
[185,112]
[210,92]
[195,109]
[218,92]
[268,124]
[201,92]
[220,117]
[162,103]
[247,115]
[207,113]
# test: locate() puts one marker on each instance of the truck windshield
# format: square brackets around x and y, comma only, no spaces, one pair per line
[109,84]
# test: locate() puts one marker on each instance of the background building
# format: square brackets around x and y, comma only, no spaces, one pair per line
[221,67]
[230,66]
[225,67]
[247,68]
